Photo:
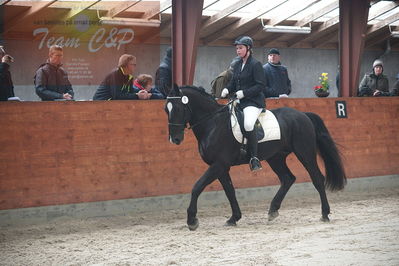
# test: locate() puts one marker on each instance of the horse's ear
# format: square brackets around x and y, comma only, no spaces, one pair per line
[175,91]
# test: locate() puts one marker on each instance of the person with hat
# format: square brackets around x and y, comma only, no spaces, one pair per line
[247,84]
[375,83]
[277,82]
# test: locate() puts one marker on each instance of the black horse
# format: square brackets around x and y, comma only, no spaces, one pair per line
[302,133]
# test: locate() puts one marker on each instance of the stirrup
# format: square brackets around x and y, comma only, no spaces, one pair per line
[254,164]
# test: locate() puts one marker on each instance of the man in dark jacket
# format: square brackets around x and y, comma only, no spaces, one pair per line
[163,76]
[118,85]
[51,80]
[277,82]
[6,85]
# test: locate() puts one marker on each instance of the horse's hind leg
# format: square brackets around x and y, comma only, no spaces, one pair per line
[307,156]
[228,187]
[279,166]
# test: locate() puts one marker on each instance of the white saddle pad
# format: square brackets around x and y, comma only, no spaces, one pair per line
[269,123]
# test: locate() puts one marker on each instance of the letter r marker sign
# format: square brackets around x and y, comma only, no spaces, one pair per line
[340,107]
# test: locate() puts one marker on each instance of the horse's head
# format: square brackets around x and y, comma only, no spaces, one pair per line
[178,111]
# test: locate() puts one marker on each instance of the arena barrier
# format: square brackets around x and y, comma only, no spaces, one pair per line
[56,153]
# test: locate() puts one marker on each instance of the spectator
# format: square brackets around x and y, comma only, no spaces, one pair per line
[395,89]
[375,83]
[142,87]
[277,82]
[163,76]
[118,85]
[247,84]
[6,85]
[221,81]
[51,80]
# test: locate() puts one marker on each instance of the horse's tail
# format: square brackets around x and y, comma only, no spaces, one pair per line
[335,173]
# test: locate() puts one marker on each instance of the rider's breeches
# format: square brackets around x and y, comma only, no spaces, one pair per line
[251,113]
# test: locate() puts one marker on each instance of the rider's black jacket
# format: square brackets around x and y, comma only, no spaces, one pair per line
[251,80]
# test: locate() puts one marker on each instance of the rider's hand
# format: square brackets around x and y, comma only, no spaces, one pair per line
[224,93]
[240,94]
[283,96]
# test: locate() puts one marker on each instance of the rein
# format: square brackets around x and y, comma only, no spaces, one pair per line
[211,114]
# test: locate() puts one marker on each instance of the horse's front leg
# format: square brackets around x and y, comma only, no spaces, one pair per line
[228,187]
[208,177]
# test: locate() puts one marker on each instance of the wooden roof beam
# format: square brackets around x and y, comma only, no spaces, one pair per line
[376,13]
[317,14]
[33,10]
[243,21]
[113,12]
[292,10]
[289,12]
[329,37]
[333,22]
[164,5]
[79,7]
[304,21]
[383,23]
[225,12]
[370,42]
[3,2]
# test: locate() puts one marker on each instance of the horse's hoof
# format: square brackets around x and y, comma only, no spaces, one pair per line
[193,226]
[230,222]
[273,215]
[325,219]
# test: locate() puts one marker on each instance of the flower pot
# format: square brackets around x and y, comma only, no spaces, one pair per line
[322,93]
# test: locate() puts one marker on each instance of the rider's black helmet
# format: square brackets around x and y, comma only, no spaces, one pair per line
[244,40]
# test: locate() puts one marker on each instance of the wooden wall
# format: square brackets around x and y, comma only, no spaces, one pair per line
[70,152]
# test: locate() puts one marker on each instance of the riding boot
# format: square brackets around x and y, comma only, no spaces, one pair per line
[254,163]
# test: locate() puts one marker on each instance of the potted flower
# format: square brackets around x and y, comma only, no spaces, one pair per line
[322,90]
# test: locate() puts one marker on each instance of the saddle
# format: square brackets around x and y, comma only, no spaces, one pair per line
[267,127]
[260,133]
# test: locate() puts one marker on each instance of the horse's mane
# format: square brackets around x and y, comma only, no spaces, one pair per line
[201,91]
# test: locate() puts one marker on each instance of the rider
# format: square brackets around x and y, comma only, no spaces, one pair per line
[247,83]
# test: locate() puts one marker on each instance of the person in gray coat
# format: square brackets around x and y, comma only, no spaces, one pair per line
[375,83]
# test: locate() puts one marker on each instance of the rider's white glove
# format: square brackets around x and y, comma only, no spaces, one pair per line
[224,93]
[283,96]
[240,94]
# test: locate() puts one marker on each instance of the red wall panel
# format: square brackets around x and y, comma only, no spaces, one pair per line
[71,152]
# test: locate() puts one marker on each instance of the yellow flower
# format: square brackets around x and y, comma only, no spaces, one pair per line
[323,80]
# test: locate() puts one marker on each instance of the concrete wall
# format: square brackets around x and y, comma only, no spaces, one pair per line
[304,66]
